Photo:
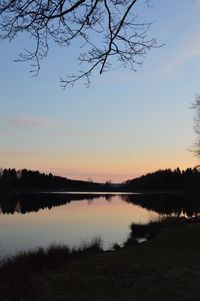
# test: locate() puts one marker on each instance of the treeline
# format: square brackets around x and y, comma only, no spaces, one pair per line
[165,180]
[14,180]
[162,180]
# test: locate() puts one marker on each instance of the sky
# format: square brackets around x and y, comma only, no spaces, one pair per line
[124,125]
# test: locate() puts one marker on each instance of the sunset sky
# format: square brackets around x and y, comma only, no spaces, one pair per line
[126,124]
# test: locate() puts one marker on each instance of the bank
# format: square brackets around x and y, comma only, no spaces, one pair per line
[164,268]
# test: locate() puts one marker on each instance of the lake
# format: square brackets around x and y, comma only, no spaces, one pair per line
[69,218]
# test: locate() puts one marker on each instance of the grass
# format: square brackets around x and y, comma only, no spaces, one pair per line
[152,229]
[161,269]
[17,272]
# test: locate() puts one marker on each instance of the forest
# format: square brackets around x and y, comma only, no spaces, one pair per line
[166,180]
[162,180]
[18,180]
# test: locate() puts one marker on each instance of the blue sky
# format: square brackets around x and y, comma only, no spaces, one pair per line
[126,124]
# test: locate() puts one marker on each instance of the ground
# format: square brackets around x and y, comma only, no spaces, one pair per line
[164,268]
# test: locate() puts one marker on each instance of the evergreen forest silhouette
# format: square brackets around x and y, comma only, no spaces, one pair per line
[167,192]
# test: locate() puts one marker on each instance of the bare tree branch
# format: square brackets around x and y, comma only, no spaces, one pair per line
[107,28]
[196,107]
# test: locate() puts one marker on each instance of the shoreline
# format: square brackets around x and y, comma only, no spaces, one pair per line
[166,267]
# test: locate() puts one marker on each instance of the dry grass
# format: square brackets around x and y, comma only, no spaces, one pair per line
[17,273]
[162,269]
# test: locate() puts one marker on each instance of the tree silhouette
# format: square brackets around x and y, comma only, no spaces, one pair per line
[108,30]
[196,108]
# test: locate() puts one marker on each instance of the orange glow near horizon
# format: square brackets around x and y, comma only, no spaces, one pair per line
[100,169]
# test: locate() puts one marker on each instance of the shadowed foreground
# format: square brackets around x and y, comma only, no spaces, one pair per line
[164,268]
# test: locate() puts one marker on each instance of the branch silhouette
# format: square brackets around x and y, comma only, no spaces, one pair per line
[108,30]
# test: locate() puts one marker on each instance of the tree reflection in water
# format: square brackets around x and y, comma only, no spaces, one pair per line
[168,204]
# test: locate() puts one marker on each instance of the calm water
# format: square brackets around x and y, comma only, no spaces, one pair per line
[71,223]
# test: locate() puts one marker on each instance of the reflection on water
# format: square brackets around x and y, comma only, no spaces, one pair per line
[40,220]
[31,220]
[141,240]
[168,204]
